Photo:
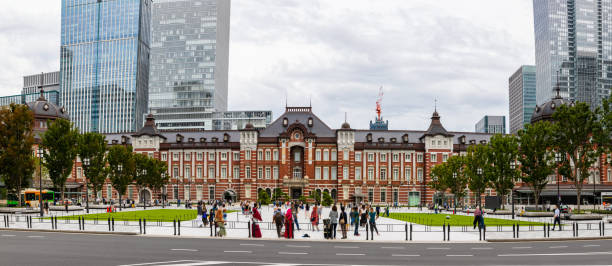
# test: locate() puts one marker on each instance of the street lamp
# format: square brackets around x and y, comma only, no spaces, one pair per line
[86,166]
[479,171]
[163,194]
[455,196]
[512,166]
[40,196]
[144,201]
[558,159]
[120,169]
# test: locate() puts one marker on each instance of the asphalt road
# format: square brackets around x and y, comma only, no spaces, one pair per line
[47,249]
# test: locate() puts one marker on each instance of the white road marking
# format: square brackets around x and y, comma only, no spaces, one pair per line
[460,255]
[292,253]
[392,247]
[8,235]
[345,247]
[254,245]
[558,247]
[556,254]
[296,246]
[520,247]
[237,251]
[346,254]
[439,248]
[195,263]
[151,263]
[36,236]
[586,246]
[482,248]
[183,249]
[405,255]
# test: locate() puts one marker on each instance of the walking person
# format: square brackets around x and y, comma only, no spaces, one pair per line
[355,214]
[278,219]
[288,224]
[373,217]
[342,221]
[255,219]
[314,218]
[220,222]
[557,218]
[200,212]
[333,219]
[477,214]
[295,217]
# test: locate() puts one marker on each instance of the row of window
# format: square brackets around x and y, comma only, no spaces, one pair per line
[200,156]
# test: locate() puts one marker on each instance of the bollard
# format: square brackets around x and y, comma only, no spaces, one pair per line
[479,233]
[576,229]
[603,229]
[174,225]
[372,232]
[144,226]
[179,227]
[444,232]
[249,227]
[513,230]
[448,234]
[140,226]
[83,222]
[410,232]
[367,232]
[484,232]
[113,222]
[518,226]
[211,229]
[109,224]
[544,229]
[406,230]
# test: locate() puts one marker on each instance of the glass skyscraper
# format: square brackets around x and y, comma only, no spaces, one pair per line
[573,41]
[522,92]
[104,63]
[491,124]
[189,61]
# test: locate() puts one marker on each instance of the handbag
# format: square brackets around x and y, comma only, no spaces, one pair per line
[342,221]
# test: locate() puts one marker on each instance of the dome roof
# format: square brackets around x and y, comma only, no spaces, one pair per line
[545,111]
[249,126]
[346,125]
[45,109]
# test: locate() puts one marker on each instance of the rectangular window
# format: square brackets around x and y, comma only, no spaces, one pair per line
[187,172]
[164,156]
[268,173]
[420,174]
[609,175]
[345,172]
[224,172]
[420,157]
[383,157]
[236,156]
[370,194]
[199,192]
[408,174]
[370,173]
[370,157]
[200,156]
[325,173]
[357,173]
[383,173]
[358,157]
[175,156]
[318,155]
[79,173]
[224,156]
[334,173]
[175,172]
[211,192]
[325,155]
[109,191]
[259,155]
[275,155]
[247,155]
[247,172]
[175,192]
[211,156]
[317,173]
[408,157]
[395,195]
[187,156]
[275,173]
[444,157]
[434,157]
[268,155]
[187,192]
[396,157]
[395,174]
[383,194]
[334,155]
[297,156]
[236,172]
[345,155]
[211,171]
[199,172]
[259,172]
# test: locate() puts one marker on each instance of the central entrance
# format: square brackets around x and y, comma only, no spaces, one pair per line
[296,193]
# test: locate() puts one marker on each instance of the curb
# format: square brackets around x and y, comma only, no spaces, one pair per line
[551,239]
[70,232]
[316,240]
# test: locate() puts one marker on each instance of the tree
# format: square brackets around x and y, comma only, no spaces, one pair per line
[121,168]
[92,146]
[158,175]
[451,176]
[278,194]
[263,197]
[535,156]
[316,196]
[142,171]
[502,154]
[60,141]
[327,199]
[575,135]
[16,141]
[478,169]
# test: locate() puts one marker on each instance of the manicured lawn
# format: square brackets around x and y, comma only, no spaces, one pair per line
[455,220]
[165,215]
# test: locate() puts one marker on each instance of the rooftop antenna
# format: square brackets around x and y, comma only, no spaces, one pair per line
[310,99]
[344,117]
[557,89]
[436,104]
[42,82]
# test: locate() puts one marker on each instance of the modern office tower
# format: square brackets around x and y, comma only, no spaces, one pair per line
[573,41]
[189,61]
[51,96]
[32,83]
[104,63]
[522,90]
[492,124]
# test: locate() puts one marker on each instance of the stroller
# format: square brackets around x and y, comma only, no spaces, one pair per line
[327,229]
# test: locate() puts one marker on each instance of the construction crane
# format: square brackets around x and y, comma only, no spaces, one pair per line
[378,102]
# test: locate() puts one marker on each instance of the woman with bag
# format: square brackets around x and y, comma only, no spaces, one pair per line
[342,221]
[314,218]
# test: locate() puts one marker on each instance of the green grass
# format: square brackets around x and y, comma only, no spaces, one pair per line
[455,220]
[164,215]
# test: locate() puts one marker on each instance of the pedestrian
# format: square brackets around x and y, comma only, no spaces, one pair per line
[295,216]
[342,222]
[387,211]
[373,217]
[278,220]
[220,222]
[255,219]
[314,218]
[211,215]
[204,216]
[477,214]
[288,225]
[364,216]
[355,214]
[557,218]
[377,211]
[199,218]
[333,219]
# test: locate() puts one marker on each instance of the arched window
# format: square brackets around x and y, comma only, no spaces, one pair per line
[269,191]
[297,172]
[334,194]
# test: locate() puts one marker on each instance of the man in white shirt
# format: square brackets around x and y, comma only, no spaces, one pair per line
[557,218]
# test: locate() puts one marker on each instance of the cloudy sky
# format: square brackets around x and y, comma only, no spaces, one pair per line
[337,53]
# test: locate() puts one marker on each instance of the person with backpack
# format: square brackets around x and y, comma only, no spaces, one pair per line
[278,219]
[333,219]
[220,222]
[342,222]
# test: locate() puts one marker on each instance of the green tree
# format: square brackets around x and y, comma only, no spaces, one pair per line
[575,135]
[60,141]
[92,147]
[316,196]
[451,176]
[158,176]
[16,141]
[142,171]
[478,169]
[121,168]
[503,153]
[278,194]
[263,197]
[535,156]
[327,199]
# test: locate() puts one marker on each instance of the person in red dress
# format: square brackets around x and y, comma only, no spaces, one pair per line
[289,224]
[255,227]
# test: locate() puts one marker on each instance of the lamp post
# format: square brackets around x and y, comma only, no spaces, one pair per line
[479,171]
[40,196]
[144,199]
[86,166]
[163,194]
[455,196]
[558,159]
[512,166]
[120,169]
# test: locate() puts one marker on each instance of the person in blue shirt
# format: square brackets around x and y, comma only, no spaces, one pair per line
[373,218]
